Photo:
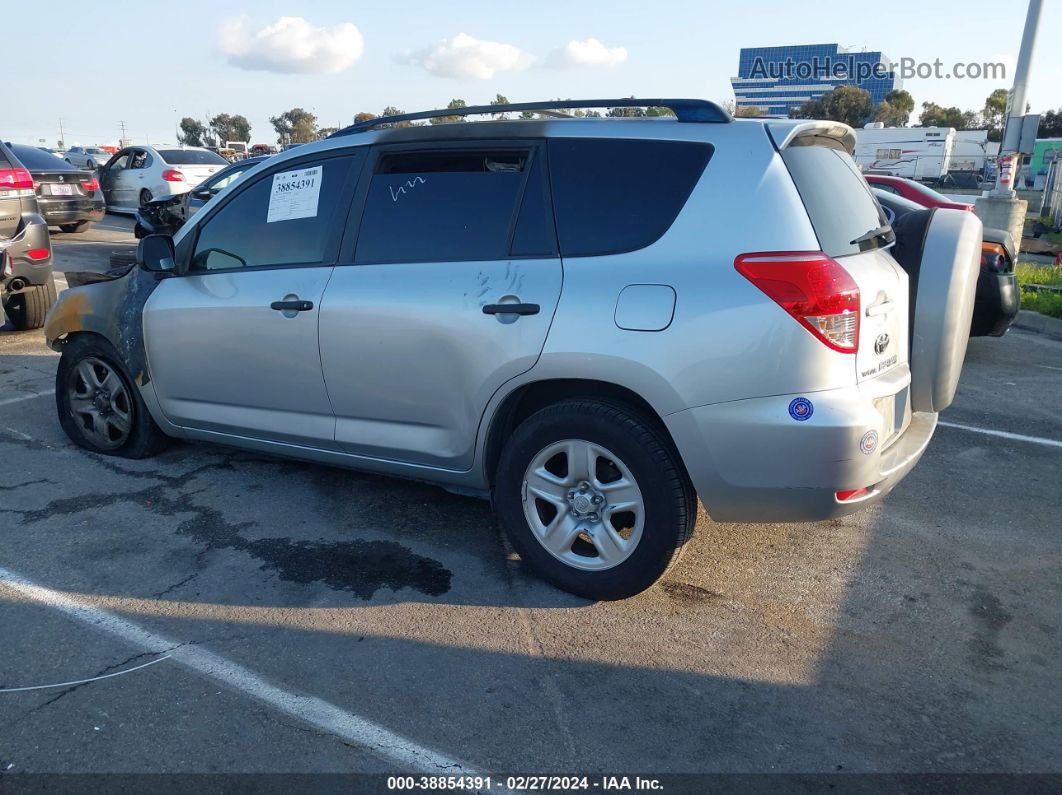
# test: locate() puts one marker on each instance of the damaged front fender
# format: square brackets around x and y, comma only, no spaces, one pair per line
[111,305]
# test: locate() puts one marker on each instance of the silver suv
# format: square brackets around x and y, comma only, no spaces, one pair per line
[592,322]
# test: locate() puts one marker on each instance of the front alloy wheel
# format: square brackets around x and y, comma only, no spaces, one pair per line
[583,505]
[100,403]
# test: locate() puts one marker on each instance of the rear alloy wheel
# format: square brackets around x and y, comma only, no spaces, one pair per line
[583,505]
[594,498]
[75,228]
[99,406]
[145,197]
[28,308]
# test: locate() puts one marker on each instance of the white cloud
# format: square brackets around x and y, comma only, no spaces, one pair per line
[291,45]
[587,52]
[466,56]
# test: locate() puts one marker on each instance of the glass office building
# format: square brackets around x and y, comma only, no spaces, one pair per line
[777,79]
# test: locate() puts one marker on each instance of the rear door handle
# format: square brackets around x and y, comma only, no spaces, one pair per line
[292,306]
[511,309]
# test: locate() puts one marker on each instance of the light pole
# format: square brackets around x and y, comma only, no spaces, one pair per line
[1016,110]
[1001,208]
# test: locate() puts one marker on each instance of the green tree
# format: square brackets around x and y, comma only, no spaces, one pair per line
[230,128]
[324,132]
[500,99]
[453,103]
[900,107]
[994,113]
[192,132]
[391,110]
[848,104]
[365,116]
[1050,124]
[659,112]
[933,115]
[295,126]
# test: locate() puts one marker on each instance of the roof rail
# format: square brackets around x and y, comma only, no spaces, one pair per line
[688,110]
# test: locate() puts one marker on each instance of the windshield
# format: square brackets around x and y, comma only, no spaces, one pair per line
[192,157]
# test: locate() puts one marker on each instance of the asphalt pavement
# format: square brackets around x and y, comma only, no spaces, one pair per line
[297,618]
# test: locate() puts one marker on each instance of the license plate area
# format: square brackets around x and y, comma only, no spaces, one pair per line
[60,190]
[895,413]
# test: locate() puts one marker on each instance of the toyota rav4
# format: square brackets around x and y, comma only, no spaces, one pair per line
[594,322]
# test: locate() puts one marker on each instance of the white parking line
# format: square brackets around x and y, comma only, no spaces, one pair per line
[29,396]
[1018,437]
[311,710]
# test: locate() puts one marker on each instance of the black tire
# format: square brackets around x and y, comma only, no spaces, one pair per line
[145,438]
[27,309]
[75,228]
[145,197]
[670,504]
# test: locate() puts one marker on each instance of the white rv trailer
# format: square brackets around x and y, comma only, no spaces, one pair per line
[971,150]
[913,152]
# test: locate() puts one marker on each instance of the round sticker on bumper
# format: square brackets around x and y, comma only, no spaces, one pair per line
[869,443]
[800,409]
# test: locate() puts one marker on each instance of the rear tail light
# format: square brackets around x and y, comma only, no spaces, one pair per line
[994,257]
[854,494]
[18,180]
[37,253]
[815,289]
[90,185]
[172,175]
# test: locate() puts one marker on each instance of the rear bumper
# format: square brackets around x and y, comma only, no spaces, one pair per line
[750,461]
[21,267]
[996,304]
[69,211]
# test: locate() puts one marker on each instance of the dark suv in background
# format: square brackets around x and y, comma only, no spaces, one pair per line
[26,286]
[68,197]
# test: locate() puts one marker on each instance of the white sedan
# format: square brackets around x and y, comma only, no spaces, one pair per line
[138,174]
[89,157]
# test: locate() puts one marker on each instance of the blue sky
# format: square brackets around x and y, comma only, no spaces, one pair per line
[149,64]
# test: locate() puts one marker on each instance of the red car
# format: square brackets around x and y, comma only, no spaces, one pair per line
[915,191]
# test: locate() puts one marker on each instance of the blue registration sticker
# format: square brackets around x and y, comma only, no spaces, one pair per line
[800,409]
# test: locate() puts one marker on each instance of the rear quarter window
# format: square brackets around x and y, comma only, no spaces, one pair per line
[616,195]
[836,196]
[36,160]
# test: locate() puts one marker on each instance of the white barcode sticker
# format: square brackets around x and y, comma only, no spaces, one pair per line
[294,195]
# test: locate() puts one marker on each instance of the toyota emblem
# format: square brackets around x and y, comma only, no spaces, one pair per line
[881,343]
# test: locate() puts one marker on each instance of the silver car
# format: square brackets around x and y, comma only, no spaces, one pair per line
[137,175]
[90,157]
[592,322]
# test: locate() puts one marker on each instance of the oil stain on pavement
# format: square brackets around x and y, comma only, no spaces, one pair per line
[358,566]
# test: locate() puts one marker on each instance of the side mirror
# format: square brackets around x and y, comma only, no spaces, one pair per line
[155,253]
[204,195]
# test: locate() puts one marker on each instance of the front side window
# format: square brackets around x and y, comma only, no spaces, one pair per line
[442,206]
[290,217]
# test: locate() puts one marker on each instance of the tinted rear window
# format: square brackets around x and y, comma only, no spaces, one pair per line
[836,196]
[192,157]
[615,195]
[36,160]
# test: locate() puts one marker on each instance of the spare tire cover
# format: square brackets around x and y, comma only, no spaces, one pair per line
[947,282]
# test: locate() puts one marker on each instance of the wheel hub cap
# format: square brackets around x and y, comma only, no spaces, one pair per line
[583,505]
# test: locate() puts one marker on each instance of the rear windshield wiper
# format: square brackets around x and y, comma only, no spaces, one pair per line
[885,232]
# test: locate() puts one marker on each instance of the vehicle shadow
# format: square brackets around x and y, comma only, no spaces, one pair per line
[919,637]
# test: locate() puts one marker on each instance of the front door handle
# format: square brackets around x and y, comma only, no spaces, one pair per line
[292,306]
[511,309]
